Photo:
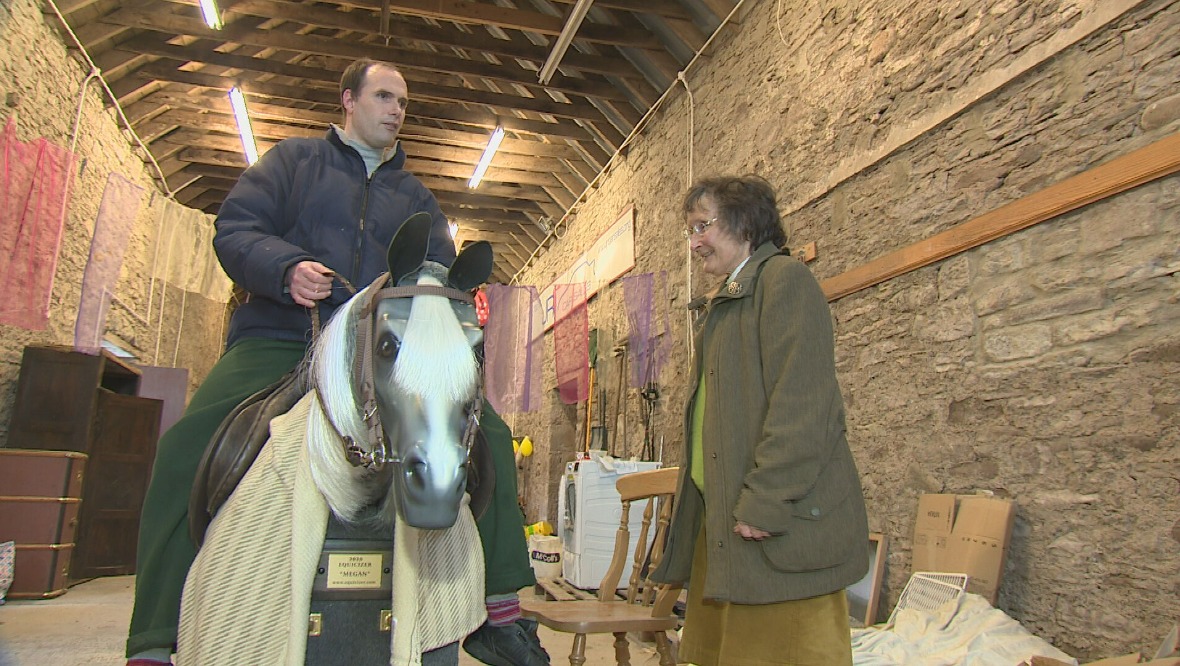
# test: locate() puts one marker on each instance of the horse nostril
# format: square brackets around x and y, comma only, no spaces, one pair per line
[415,471]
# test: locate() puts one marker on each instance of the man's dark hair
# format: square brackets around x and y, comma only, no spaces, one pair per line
[746,207]
[354,77]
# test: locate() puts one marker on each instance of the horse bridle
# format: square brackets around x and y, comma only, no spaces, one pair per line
[378,454]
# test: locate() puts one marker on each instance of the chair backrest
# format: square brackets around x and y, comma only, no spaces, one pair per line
[658,488]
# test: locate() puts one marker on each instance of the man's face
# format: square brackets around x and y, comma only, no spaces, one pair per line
[375,115]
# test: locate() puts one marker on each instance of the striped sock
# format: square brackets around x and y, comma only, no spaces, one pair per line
[503,609]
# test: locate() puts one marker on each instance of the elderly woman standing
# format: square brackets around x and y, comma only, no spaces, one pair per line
[769,526]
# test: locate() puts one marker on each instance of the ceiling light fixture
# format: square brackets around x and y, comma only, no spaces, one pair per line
[486,159]
[249,147]
[212,15]
[564,40]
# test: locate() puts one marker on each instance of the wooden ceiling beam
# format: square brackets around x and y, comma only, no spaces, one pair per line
[222,172]
[217,102]
[220,158]
[166,70]
[665,8]
[164,21]
[489,215]
[511,19]
[488,119]
[225,123]
[484,201]
[425,167]
[449,38]
[473,140]
[208,201]
[561,197]
[203,52]
[458,184]
[186,196]
[470,157]
[213,141]
[181,179]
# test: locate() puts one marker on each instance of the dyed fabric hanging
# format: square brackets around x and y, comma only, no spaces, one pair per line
[513,348]
[571,343]
[116,217]
[34,188]
[648,340]
[183,254]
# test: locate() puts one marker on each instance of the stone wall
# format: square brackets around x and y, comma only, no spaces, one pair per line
[1040,367]
[42,84]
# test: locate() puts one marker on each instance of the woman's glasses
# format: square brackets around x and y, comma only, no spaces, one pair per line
[698,228]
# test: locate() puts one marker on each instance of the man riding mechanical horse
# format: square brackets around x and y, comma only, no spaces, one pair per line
[310,211]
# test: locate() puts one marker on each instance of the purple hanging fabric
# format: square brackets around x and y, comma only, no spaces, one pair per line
[116,217]
[513,348]
[34,188]
[648,341]
[571,342]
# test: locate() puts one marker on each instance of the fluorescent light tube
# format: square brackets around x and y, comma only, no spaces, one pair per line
[238,101]
[211,14]
[486,159]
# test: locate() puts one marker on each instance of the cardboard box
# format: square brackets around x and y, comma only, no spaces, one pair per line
[964,534]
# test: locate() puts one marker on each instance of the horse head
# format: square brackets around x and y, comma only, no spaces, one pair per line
[415,388]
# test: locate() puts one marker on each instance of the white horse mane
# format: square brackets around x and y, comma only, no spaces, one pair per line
[435,361]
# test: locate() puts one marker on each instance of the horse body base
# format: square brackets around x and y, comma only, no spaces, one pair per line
[351,597]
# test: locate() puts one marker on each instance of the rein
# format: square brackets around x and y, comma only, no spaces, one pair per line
[374,458]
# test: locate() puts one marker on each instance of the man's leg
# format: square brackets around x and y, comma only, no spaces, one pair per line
[165,550]
[505,639]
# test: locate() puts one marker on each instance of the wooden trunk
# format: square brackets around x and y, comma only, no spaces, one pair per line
[40,496]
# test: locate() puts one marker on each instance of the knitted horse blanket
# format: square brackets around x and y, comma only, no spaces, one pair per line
[247,596]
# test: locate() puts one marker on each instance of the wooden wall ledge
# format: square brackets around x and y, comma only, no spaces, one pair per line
[1144,165]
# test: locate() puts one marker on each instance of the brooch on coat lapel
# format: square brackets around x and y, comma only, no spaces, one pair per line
[734,289]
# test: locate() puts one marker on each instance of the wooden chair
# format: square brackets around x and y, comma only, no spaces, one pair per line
[647,607]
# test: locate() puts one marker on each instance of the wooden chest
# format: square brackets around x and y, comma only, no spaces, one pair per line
[40,495]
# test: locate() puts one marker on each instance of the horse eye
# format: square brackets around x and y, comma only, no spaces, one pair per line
[478,349]
[387,346]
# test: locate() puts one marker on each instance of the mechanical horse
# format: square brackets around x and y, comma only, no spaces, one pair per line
[375,452]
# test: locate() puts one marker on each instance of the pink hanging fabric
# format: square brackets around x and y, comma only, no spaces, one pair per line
[116,217]
[649,341]
[571,342]
[513,348]
[34,189]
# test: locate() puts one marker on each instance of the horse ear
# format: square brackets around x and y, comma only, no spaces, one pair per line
[408,248]
[472,267]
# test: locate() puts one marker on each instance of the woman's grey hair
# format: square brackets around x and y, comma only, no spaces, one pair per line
[746,207]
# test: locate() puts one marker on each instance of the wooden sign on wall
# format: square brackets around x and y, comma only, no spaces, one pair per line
[608,258]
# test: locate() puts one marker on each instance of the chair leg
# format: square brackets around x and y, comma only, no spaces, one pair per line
[622,653]
[578,653]
[664,647]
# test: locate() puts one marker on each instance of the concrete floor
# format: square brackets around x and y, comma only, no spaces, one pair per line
[88,625]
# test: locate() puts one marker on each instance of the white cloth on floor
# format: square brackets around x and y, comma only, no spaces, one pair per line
[967,632]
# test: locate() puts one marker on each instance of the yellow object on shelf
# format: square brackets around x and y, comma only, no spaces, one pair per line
[542,528]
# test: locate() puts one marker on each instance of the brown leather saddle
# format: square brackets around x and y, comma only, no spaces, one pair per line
[239,438]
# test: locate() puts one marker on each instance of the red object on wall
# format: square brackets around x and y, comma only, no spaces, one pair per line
[34,188]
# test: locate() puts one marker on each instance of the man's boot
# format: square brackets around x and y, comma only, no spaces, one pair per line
[514,644]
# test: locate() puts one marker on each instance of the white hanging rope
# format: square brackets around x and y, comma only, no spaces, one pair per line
[96,73]
[688,341]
